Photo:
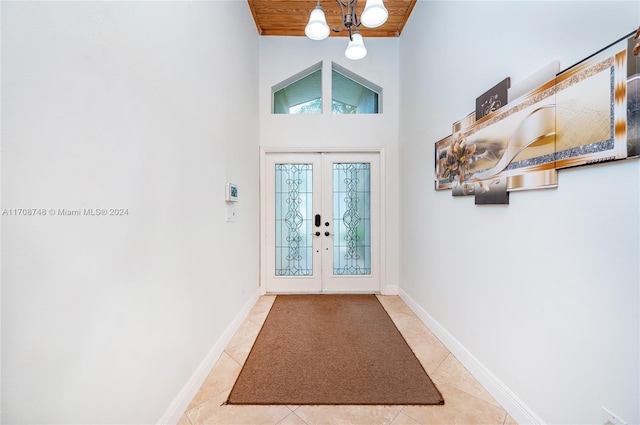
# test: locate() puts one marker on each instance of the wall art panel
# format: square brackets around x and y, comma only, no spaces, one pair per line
[588,113]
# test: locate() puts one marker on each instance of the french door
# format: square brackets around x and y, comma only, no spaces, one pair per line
[322,225]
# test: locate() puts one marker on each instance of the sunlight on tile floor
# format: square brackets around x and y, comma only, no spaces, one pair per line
[466,401]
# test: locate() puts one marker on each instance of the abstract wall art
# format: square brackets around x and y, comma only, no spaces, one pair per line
[585,114]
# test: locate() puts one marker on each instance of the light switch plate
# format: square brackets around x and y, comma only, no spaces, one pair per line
[231,211]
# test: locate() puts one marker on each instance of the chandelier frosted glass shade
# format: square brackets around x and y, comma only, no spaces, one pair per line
[374,14]
[317,28]
[355,49]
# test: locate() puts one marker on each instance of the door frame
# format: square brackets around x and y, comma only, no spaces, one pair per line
[264,151]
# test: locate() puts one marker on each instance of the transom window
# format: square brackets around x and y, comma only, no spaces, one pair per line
[302,93]
[352,94]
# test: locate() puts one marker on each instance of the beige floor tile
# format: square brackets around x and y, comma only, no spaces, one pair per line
[411,326]
[221,378]
[184,420]
[466,401]
[292,419]
[212,412]
[510,421]
[459,408]
[424,344]
[429,351]
[348,415]
[403,419]
[414,331]
[394,305]
[452,372]
[241,343]
[260,310]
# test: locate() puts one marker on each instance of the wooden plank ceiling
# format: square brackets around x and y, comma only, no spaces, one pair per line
[289,17]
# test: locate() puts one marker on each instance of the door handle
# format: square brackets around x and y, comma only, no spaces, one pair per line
[327,234]
[318,221]
[317,233]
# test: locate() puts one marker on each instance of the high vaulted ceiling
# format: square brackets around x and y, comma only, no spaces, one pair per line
[289,17]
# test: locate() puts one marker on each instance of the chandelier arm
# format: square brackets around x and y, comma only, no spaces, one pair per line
[351,12]
[342,5]
[354,13]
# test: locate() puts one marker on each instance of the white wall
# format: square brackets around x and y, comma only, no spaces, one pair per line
[282,57]
[543,292]
[149,106]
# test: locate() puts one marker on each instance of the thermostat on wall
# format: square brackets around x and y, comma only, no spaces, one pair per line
[231,193]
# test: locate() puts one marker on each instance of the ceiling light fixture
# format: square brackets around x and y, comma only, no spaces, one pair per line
[373,15]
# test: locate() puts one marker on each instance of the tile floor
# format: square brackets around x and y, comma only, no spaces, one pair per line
[466,401]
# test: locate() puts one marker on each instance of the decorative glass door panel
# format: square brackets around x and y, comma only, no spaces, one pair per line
[293,212]
[322,222]
[352,219]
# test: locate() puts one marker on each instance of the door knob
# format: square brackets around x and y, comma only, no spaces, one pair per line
[317,233]
[327,233]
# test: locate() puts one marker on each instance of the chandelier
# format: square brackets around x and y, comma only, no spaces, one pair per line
[373,15]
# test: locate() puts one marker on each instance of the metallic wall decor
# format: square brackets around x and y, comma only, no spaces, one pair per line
[588,113]
[633,96]
[493,99]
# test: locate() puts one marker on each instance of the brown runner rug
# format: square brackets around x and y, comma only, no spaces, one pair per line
[331,349]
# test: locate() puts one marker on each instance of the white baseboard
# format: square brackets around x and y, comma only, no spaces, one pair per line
[184,397]
[516,408]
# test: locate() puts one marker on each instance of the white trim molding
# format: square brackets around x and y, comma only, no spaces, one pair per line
[177,408]
[516,408]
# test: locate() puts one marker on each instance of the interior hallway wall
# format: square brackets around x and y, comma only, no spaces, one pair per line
[544,291]
[145,106]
